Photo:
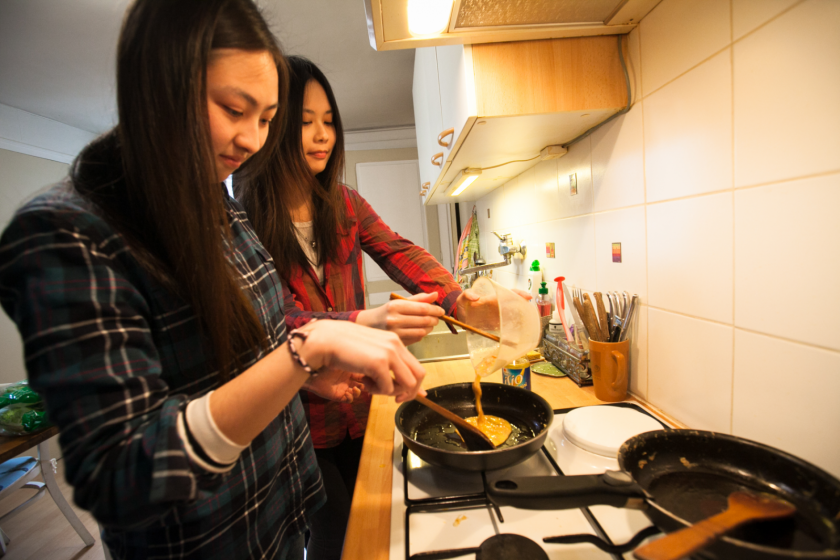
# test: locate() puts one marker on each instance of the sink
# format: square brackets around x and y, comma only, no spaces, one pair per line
[440,345]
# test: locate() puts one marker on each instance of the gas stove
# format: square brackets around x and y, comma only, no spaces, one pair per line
[438,513]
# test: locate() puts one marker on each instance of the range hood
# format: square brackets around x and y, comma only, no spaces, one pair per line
[492,21]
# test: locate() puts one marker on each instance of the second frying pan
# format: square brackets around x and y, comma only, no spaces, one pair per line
[679,477]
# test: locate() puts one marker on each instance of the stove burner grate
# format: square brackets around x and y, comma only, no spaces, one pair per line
[501,542]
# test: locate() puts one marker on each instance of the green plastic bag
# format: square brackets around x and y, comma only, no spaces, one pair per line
[19,393]
[21,410]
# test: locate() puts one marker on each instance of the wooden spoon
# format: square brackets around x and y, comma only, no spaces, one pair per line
[743,507]
[451,321]
[475,439]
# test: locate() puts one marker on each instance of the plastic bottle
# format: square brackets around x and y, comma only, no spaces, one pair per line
[543,302]
[534,279]
[518,373]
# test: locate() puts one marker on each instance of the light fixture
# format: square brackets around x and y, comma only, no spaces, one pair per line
[428,17]
[464,179]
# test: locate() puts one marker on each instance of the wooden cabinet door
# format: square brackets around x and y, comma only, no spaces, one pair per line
[426,112]
[457,90]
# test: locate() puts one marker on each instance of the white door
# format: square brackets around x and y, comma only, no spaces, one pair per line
[391,189]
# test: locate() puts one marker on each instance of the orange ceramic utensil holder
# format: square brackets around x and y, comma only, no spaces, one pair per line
[610,363]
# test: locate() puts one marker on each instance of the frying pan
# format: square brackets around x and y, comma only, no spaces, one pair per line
[679,477]
[432,438]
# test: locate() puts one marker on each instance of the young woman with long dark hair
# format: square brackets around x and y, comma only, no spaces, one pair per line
[316,229]
[152,316]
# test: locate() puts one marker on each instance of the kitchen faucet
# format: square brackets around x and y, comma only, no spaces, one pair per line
[507,248]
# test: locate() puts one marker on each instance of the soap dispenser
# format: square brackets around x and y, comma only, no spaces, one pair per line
[543,302]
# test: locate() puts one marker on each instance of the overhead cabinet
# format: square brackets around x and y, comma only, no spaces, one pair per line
[478,106]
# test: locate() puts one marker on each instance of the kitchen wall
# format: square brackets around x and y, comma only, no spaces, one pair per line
[356,156]
[722,185]
[23,176]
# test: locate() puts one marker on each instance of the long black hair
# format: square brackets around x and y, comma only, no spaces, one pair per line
[154,176]
[268,197]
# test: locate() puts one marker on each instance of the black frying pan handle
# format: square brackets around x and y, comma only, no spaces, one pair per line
[566,492]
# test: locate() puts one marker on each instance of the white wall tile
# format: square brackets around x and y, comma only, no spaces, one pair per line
[618,173]
[519,200]
[688,133]
[574,246]
[578,161]
[690,370]
[679,34]
[787,83]
[628,228]
[493,201]
[785,395]
[638,352]
[689,255]
[786,268]
[749,14]
[506,213]
[545,205]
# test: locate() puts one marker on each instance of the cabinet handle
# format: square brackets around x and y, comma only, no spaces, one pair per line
[424,187]
[444,134]
[437,159]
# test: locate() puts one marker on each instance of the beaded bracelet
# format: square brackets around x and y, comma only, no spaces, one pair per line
[297,357]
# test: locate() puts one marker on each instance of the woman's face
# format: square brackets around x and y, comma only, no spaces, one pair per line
[317,130]
[241,101]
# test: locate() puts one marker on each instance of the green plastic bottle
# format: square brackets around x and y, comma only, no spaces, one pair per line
[534,279]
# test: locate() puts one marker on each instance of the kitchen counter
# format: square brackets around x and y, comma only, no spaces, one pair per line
[369,529]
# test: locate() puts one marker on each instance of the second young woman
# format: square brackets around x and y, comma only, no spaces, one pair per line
[316,229]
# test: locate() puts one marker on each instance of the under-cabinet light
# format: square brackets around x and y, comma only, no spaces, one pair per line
[464,179]
[428,17]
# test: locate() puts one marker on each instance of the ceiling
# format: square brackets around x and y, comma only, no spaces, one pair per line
[57,59]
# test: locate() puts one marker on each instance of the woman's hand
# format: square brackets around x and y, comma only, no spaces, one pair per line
[411,319]
[380,362]
[336,385]
[482,311]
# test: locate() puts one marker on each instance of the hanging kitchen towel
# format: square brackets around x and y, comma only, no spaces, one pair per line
[468,247]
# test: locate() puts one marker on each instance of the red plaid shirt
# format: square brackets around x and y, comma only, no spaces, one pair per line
[343,297]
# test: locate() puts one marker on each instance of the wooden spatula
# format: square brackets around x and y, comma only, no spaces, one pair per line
[475,439]
[743,507]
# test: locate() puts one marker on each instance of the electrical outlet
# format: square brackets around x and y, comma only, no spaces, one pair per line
[573,184]
[549,250]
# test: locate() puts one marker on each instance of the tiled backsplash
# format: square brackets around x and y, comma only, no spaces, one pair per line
[722,185]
